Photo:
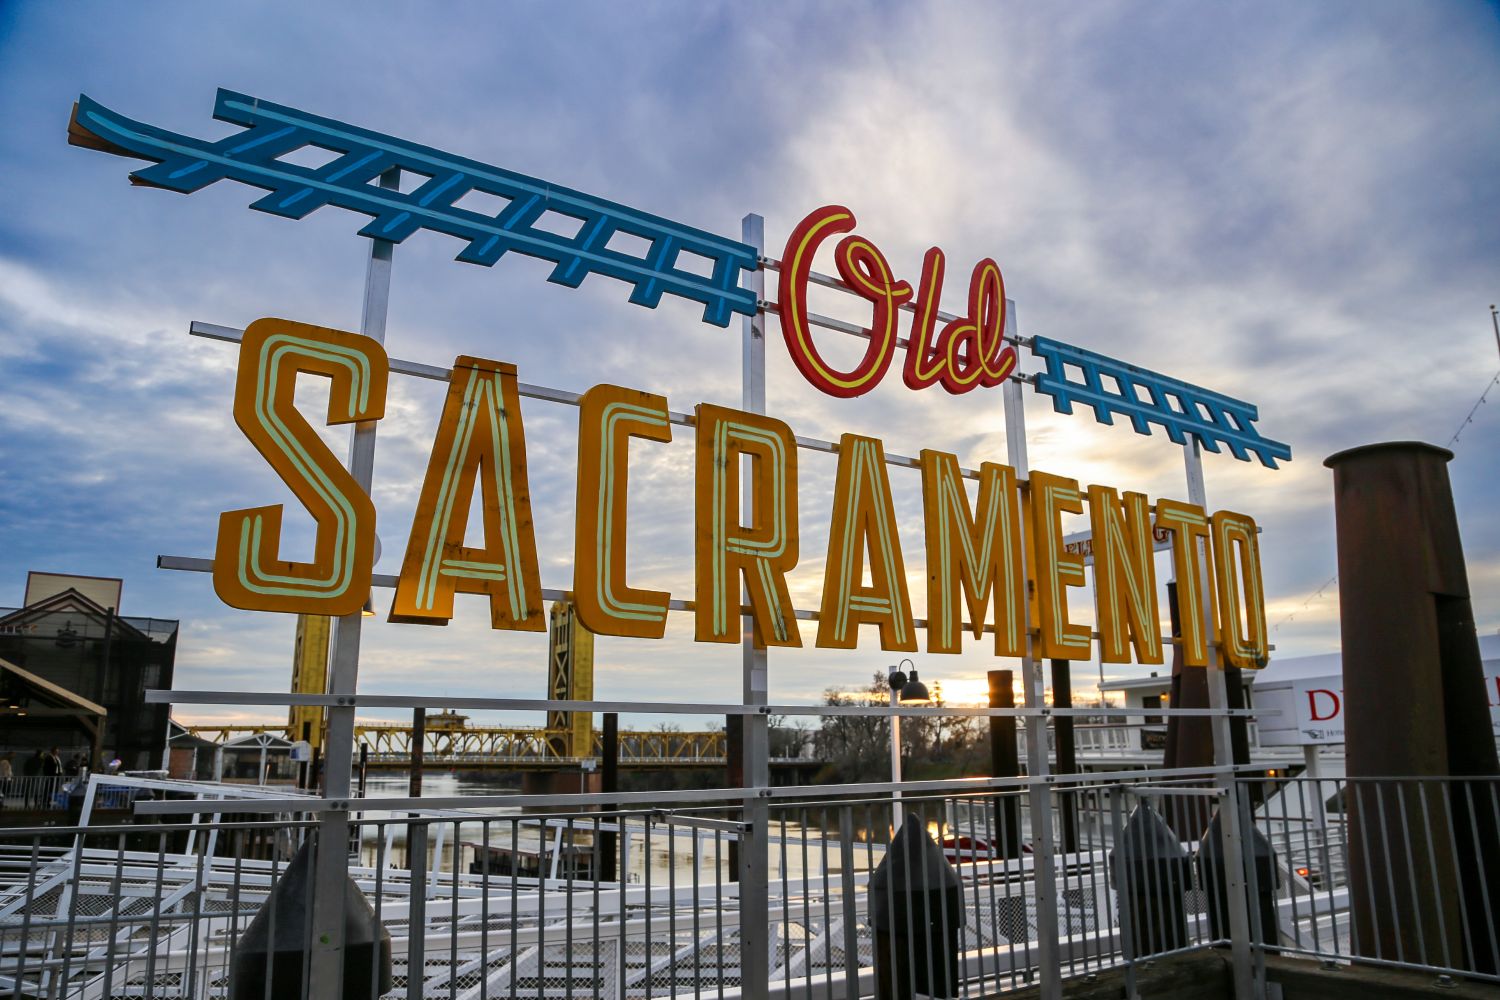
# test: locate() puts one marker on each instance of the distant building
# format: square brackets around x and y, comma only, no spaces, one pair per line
[74,672]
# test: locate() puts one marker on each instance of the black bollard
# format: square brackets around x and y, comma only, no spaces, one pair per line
[1150,872]
[266,966]
[1211,875]
[1005,762]
[915,910]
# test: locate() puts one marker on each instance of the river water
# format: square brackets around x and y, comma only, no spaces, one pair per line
[662,852]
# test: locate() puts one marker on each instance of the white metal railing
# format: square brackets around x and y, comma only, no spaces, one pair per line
[643,902]
[47,793]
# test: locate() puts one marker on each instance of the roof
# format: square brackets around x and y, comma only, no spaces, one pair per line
[52,691]
[1158,680]
[178,735]
[1296,668]
[71,601]
[257,741]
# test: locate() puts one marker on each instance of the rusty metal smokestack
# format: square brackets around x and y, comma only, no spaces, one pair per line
[1421,851]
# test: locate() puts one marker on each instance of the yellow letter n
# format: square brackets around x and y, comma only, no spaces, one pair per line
[1124,576]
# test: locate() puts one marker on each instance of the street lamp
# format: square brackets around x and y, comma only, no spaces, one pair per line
[906,689]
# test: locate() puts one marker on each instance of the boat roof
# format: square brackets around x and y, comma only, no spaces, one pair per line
[1294,668]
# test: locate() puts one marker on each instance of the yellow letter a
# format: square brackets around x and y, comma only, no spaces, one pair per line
[479,437]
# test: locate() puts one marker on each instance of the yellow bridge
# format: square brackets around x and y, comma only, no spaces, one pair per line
[390,745]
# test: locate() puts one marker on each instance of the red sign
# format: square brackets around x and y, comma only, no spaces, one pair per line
[967,352]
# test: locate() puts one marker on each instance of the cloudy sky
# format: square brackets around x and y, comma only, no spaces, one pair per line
[1291,203]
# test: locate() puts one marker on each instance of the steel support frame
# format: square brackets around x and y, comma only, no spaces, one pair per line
[1247,967]
[1038,766]
[326,968]
[755,841]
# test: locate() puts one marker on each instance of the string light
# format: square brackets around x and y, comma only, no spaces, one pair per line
[1470,418]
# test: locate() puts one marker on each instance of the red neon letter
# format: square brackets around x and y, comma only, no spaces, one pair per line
[865,270]
[920,371]
[974,346]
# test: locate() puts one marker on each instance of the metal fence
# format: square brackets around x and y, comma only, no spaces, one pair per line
[34,792]
[1400,872]
[643,902]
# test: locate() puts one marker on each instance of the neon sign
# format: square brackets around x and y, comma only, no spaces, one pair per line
[480,443]
[981,559]
[967,353]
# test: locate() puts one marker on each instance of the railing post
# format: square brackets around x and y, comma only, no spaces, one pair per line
[326,968]
[849,900]
[754,870]
[1067,752]
[1005,761]
[1235,886]
[1038,770]
[1122,892]
[416,862]
[609,781]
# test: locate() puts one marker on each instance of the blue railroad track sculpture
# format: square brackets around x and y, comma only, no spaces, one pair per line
[1146,397]
[254,157]
[356,158]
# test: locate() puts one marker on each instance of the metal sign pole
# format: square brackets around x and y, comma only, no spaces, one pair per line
[326,969]
[1218,699]
[754,873]
[1038,768]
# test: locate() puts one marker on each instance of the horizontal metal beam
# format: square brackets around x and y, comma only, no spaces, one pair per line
[829,281]
[233,335]
[159,697]
[773,308]
[623,800]
[199,564]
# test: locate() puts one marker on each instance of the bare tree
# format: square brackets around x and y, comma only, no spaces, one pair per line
[789,739]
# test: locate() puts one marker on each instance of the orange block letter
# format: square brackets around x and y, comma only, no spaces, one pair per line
[1124,577]
[1241,639]
[763,551]
[863,519]
[980,554]
[479,437]
[608,417]
[1188,526]
[247,570]
[1056,568]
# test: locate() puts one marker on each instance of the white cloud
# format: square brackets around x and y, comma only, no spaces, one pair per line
[1273,203]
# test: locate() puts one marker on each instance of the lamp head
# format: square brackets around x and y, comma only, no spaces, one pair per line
[913,691]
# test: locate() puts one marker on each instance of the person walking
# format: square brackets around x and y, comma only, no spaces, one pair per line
[52,770]
[7,772]
[32,769]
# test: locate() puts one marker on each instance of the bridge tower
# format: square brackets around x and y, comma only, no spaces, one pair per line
[309,676]
[570,677]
